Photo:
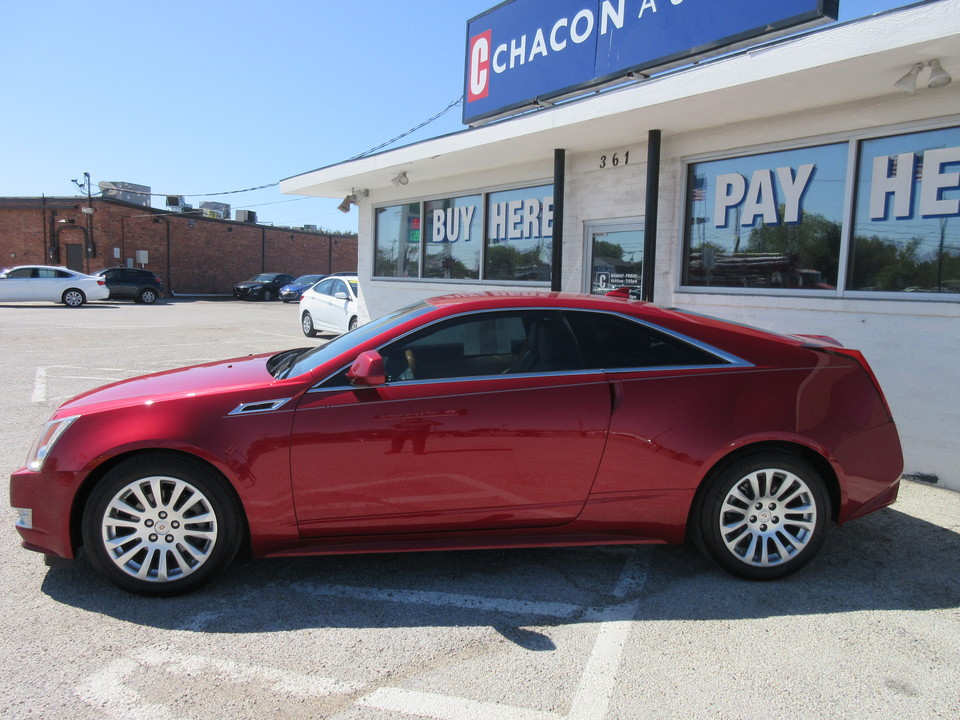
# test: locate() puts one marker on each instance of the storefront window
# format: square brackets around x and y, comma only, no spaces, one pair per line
[398,241]
[454,238]
[519,235]
[771,221]
[906,234]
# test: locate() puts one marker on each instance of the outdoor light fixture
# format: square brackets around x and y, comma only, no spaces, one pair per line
[352,199]
[938,76]
[401,179]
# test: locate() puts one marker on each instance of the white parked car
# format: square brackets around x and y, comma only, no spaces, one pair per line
[35,283]
[330,306]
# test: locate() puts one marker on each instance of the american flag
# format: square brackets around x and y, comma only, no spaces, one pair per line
[699,188]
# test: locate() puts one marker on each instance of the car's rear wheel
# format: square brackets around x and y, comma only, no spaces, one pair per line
[147,296]
[306,322]
[73,298]
[765,516]
[161,525]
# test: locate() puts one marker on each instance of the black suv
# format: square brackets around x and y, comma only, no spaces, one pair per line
[142,286]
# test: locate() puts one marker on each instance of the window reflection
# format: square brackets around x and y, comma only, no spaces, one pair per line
[520,234]
[906,235]
[766,221]
[453,240]
[398,241]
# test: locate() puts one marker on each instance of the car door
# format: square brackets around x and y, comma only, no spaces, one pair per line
[114,280]
[332,297]
[50,283]
[19,284]
[480,426]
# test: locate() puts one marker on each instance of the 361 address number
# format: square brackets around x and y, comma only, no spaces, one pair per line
[615,160]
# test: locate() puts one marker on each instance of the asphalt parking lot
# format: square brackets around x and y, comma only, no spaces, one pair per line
[871,629]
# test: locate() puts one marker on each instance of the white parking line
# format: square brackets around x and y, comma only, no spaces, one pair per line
[108,691]
[39,386]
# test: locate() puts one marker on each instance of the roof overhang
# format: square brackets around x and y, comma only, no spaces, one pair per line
[850,62]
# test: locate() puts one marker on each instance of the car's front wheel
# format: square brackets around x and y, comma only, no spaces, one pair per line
[267,295]
[306,322]
[765,516]
[161,525]
[73,298]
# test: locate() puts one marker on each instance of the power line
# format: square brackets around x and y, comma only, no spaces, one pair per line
[412,130]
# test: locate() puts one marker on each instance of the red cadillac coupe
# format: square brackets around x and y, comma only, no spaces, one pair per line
[470,421]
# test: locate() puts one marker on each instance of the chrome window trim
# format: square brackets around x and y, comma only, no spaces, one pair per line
[728,360]
[466,379]
[267,406]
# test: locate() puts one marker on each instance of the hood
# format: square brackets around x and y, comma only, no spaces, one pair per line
[198,380]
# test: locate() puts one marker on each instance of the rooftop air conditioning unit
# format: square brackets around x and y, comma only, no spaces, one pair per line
[246,216]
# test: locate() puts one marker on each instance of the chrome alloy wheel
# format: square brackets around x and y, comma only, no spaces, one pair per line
[159,529]
[768,517]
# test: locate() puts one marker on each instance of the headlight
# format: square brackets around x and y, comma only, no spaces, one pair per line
[48,438]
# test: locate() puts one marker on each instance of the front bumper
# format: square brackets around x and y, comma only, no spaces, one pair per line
[247,293]
[43,502]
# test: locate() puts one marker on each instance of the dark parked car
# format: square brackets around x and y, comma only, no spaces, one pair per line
[294,291]
[265,286]
[142,286]
[470,421]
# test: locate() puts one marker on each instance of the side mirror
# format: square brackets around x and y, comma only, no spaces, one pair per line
[341,295]
[367,370]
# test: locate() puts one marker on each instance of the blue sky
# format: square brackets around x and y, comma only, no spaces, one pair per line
[203,97]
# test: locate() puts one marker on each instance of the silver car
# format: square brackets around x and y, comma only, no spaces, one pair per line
[36,283]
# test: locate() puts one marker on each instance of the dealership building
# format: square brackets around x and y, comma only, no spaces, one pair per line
[787,172]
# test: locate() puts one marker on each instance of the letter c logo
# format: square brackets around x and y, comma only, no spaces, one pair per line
[478,78]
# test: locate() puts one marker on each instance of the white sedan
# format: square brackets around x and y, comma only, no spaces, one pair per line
[35,283]
[330,306]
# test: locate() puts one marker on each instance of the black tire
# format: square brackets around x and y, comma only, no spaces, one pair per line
[306,323]
[352,325]
[73,297]
[765,516]
[137,530]
[147,296]
[267,295]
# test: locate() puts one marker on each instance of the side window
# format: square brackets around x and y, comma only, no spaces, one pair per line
[495,343]
[614,342]
[22,273]
[47,273]
[325,288]
[339,287]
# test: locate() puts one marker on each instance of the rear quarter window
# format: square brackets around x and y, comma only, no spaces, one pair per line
[615,342]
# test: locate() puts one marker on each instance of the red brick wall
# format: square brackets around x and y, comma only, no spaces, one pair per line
[193,255]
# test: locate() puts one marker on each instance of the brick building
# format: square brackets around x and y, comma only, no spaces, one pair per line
[193,254]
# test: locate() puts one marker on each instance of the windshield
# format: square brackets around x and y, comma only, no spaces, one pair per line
[307,279]
[265,277]
[343,343]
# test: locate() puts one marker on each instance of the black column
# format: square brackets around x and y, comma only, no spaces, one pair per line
[650,218]
[559,177]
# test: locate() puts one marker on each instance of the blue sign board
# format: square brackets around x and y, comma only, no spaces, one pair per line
[527,50]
